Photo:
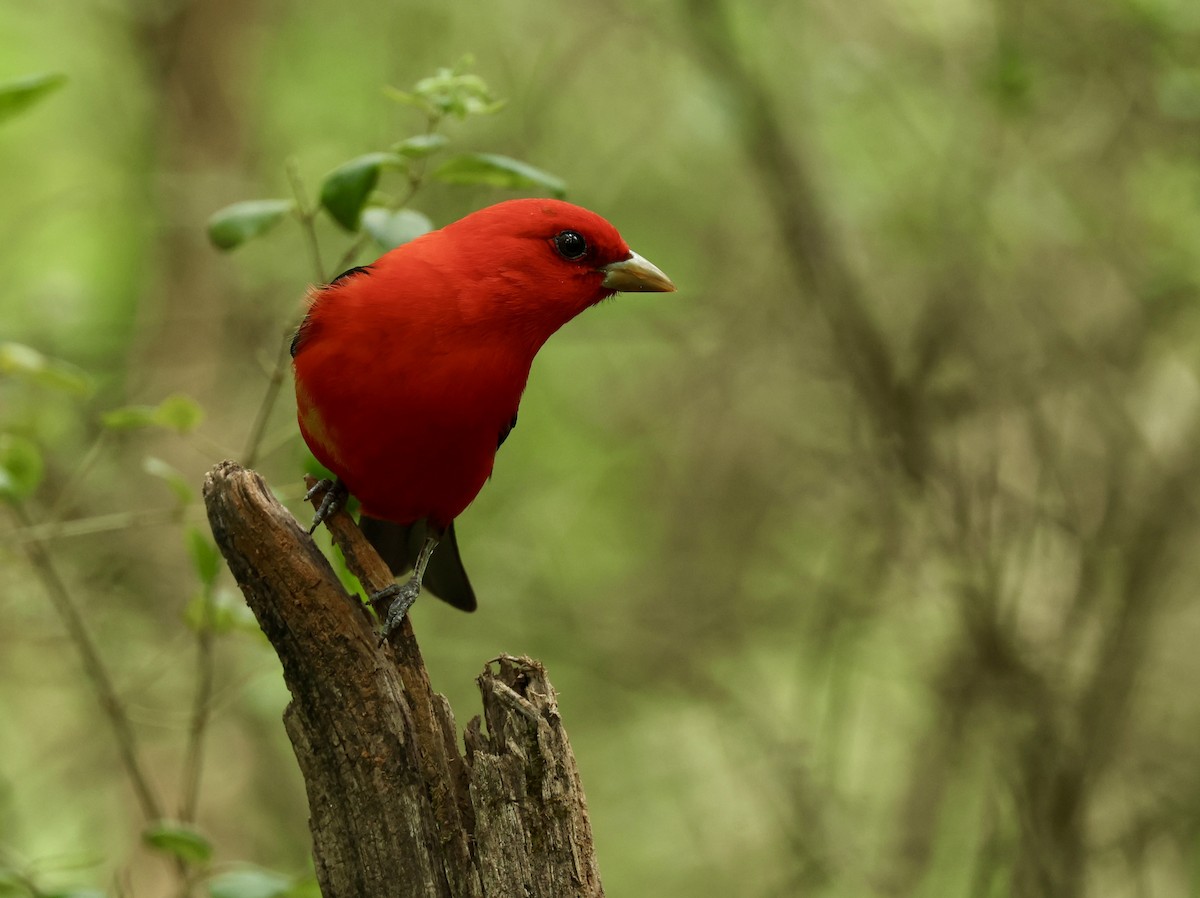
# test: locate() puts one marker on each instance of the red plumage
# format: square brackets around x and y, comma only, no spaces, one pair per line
[409,371]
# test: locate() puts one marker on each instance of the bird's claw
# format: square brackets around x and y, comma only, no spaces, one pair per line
[402,595]
[335,494]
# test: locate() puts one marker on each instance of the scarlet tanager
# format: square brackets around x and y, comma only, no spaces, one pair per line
[409,370]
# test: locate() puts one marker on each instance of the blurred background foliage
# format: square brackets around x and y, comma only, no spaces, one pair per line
[865,564]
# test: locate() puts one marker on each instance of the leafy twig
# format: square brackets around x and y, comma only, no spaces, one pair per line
[416,175]
[306,216]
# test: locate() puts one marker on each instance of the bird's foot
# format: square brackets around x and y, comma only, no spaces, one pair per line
[335,494]
[402,595]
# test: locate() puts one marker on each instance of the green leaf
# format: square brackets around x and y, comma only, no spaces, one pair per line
[178,840]
[179,484]
[177,412]
[391,229]
[235,224]
[21,467]
[19,360]
[129,417]
[206,558]
[74,893]
[497,171]
[405,98]
[345,190]
[251,882]
[421,145]
[17,96]
[452,91]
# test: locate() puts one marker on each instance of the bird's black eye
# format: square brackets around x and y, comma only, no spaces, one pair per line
[570,245]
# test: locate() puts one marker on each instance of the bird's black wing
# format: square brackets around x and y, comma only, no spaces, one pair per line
[398,545]
[506,431]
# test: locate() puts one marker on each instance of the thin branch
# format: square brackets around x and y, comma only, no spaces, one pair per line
[307,218]
[263,416]
[78,475]
[101,523]
[356,247]
[193,764]
[93,668]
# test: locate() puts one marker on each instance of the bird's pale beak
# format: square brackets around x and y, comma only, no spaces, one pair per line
[636,275]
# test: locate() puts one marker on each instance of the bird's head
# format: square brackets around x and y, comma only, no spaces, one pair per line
[548,260]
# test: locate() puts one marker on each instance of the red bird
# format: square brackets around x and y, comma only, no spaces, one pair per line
[409,370]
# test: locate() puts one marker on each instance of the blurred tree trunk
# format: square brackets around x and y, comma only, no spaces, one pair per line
[197,58]
[395,808]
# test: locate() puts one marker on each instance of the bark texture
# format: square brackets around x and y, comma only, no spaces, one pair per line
[395,809]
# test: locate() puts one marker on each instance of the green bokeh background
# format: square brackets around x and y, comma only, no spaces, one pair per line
[865,564]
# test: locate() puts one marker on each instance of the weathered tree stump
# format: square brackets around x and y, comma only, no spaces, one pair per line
[395,809]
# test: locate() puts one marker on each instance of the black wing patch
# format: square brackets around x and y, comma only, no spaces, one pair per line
[349,273]
[506,431]
[298,337]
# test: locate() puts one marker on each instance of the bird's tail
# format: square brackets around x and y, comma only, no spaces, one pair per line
[398,545]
